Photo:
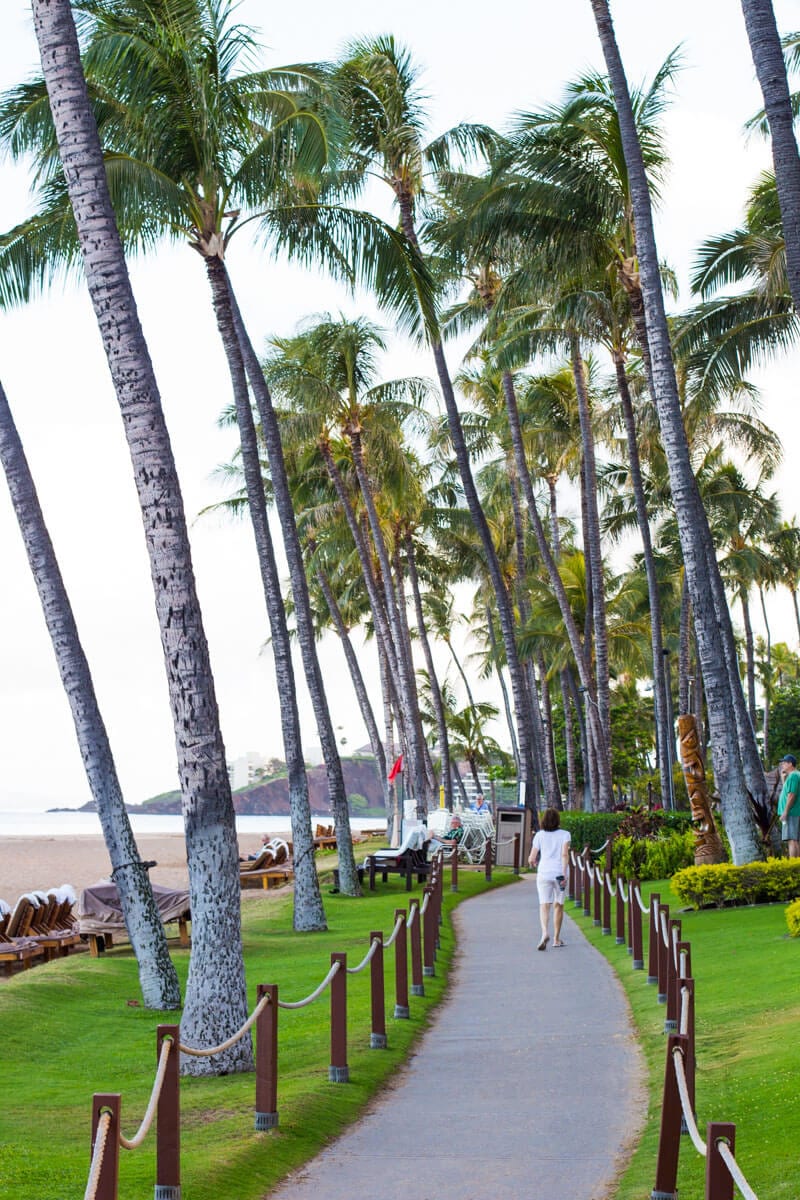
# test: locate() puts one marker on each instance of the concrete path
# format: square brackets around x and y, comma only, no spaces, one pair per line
[528,1083]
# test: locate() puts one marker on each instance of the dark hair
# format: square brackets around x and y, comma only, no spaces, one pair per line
[551,820]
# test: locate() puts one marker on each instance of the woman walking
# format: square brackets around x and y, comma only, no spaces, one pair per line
[550,850]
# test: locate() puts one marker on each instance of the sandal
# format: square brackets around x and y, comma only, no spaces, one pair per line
[558,945]
[543,943]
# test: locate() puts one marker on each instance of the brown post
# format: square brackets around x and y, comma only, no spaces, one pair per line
[663,953]
[621,889]
[454,869]
[719,1181]
[669,1139]
[487,860]
[571,879]
[606,879]
[598,883]
[338,1071]
[517,853]
[632,905]
[377,1038]
[417,986]
[671,1018]
[267,1058]
[636,926]
[109,1171]
[429,934]
[577,883]
[401,1009]
[685,948]
[652,947]
[690,1062]
[168,1119]
[587,888]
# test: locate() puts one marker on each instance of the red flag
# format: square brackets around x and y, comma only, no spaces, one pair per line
[396,769]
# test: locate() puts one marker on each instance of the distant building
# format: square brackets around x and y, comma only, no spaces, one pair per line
[244,771]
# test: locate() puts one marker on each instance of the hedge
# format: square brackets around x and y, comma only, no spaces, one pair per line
[653,858]
[753,883]
[793,918]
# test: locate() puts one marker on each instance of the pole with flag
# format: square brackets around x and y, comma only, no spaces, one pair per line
[395,776]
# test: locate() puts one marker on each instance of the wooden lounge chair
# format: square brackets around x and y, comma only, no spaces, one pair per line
[270,868]
[16,946]
[409,859]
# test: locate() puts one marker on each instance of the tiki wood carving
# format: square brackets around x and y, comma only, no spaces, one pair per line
[708,848]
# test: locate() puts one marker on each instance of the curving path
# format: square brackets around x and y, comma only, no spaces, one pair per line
[527,1083]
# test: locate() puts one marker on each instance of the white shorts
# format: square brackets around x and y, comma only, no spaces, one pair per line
[550,891]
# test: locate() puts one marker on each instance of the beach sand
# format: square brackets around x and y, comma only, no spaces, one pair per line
[39,863]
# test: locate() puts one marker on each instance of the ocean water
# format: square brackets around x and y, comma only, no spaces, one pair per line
[72,824]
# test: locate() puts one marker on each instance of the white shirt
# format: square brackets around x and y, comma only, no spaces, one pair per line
[550,844]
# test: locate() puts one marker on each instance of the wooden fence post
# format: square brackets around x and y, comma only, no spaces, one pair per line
[338,1071]
[598,883]
[417,986]
[719,1183]
[168,1119]
[487,860]
[454,869]
[401,1009]
[109,1171]
[267,1058]
[669,1139]
[652,946]
[517,853]
[377,1037]
[690,1061]
[663,952]
[429,931]
[606,879]
[587,887]
[636,926]
[673,971]
[621,888]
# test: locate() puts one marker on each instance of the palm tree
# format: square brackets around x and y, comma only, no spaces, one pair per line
[157,976]
[735,749]
[767,51]
[379,81]
[216,1000]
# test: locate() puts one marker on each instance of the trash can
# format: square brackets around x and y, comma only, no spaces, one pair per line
[509,821]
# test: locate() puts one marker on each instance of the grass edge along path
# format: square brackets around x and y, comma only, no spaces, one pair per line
[747,1022]
[73,1028]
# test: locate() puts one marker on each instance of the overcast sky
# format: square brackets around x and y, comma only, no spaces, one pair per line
[481,63]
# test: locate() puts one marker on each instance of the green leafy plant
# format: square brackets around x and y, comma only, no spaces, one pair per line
[754,883]
[653,857]
[793,918]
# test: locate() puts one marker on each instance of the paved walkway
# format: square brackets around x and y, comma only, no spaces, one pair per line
[527,1084]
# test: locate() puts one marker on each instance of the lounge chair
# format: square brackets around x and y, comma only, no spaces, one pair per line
[269,869]
[409,859]
[16,946]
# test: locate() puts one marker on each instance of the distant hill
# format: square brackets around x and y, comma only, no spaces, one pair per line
[271,799]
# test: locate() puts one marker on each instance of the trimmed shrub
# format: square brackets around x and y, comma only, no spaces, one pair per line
[753,883]
[653,858]
[590,829]
[793,918]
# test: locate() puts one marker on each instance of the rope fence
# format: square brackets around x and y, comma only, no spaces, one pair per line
[669,967]
[415,939]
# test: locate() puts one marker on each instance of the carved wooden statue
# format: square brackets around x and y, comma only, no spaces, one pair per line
[708,848]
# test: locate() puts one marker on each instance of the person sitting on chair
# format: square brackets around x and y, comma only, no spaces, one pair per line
[453,835]
[253,857]
[481,804]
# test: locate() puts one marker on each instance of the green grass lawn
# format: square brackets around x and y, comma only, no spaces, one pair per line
[747,1010]
[68,1031]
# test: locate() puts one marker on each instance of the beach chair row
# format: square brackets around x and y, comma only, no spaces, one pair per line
[39,927]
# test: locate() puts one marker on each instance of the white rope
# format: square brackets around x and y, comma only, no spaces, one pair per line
[251,1020]
[684,1022]
[686,1104]
[675,947]
[638,894]
[621,891]
[412,915]
[147,1120]
[505,842]
[664,930]
[610,885]
[313,996]
[397,927]
[424,904]
[684,962]
[367,958]
[600,849]
[724,1151]
[101,1136]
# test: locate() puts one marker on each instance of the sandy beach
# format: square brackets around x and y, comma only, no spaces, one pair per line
[28,863]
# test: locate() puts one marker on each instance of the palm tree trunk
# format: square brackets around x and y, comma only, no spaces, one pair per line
[596,548]
[602,794]
[767,677]
[750,656]
[309,912]
[685,648]
[767,52]
[304,621]
[572,778]
[664,737]
[402,610]
[549,750]
[498,666]
[216,998]
[359,687]
[157,976]
[436,691]
[692,521]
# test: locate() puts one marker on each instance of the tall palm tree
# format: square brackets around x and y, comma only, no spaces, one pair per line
[379,81]
[216,1000]
[735,749]
[767,52]
[157,976]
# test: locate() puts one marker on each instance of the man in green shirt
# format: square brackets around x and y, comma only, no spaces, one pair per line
[789,804]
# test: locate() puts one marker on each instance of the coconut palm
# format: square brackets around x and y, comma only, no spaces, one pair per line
[736,763]
[216,1000]
[157,976]
[767,52]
